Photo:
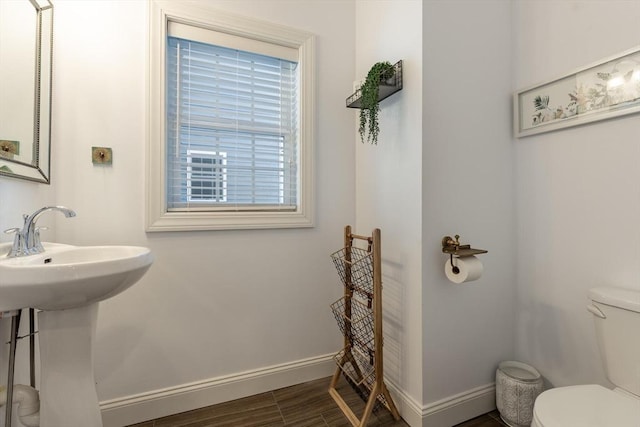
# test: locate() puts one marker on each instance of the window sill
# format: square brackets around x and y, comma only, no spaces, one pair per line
[199,221]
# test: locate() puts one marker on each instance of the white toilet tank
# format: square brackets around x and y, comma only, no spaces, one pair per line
[617,320]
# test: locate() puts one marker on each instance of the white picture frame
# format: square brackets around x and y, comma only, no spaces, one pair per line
[609,88]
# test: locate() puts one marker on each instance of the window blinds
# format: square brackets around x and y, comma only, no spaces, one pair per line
[231,126]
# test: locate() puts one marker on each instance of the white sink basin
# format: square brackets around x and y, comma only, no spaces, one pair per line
[67,282]
[66,276]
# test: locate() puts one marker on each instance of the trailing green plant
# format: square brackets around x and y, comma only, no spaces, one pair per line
[369,108]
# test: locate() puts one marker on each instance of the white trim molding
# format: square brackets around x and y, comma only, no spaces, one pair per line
[446,412]
[157,216]
[410,409]
[186,397]
[461,407]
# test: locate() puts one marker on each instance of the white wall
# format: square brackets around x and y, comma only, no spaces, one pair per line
[21,197]
[578,190]
[214,303]
[443,165]
[467,177]
[388,183]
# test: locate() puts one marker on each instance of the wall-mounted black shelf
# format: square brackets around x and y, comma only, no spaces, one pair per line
[387,88]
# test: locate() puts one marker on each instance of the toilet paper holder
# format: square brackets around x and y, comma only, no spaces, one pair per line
[452,246]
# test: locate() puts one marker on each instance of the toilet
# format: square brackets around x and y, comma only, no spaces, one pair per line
[616,313]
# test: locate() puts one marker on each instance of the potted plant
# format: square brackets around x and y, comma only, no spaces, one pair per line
[380,72]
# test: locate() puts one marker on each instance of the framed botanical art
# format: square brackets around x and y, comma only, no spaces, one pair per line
[608,89]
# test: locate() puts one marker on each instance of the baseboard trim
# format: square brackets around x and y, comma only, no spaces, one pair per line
[185,397]
[409,408]
[446,412]
[460,407]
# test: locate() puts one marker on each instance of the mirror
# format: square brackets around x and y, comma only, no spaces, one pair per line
[26,48]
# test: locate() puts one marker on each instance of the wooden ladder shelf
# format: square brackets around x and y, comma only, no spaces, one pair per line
[359,316]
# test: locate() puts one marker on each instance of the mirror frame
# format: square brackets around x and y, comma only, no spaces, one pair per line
[39,170]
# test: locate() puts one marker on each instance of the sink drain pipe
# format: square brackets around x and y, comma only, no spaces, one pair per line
[28,402]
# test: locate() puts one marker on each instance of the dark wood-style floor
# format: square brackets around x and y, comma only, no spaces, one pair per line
[303,405]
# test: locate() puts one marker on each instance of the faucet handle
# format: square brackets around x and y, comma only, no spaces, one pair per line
[18,248]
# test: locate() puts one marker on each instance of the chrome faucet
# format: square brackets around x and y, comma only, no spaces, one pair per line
[27,240]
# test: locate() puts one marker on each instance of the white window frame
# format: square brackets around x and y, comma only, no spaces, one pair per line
[157,217]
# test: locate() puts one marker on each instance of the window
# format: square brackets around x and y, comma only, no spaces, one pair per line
[206,177]
[231,122]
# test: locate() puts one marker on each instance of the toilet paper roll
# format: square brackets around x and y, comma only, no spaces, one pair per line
[469,268]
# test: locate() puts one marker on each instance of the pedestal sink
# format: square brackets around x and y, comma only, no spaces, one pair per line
[67,282]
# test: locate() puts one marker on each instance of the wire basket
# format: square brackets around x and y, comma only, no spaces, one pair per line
[364,391]
[355,268]
[359,371]
[355,321]
[355,364]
